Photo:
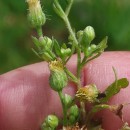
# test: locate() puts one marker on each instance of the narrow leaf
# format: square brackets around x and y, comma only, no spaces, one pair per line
[58,9]
[57,48]
[36,42]
[36,53]
[100,47]
[103,44]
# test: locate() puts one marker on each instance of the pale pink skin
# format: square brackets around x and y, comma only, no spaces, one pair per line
[26,98]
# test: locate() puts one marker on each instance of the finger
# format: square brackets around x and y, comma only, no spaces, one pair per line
[100,73]
[26,98]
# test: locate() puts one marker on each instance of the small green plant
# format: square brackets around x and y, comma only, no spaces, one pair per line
[57,55]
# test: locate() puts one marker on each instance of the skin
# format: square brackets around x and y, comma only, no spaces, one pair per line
[26,98]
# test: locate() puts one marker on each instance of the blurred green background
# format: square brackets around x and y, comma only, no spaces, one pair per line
[108,17]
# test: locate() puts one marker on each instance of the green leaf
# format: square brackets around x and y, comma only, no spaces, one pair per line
[103,44]
[36,53]
[36,42]
[116,109]
[46,56]
[99,48]
[57,48]
[64,46]
[58,9]
[114,88]
[100,107]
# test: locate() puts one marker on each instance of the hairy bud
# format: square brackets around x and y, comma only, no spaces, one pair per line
[58,78]
[36,16]
[89,31]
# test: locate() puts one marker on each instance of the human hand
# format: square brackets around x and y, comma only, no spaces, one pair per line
[26,98]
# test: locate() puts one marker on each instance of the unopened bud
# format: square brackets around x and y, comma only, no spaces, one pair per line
[73,114]
[79,34]
[88,93]
[74,110]
[89,31]
[50,123]
[46,42]
[36,16]
[68,100]
[65,52]
[58,78]
[93,46]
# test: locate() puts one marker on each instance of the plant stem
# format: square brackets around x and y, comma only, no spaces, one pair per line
[63,107]
[83,111]
[83,63]
[39,31]
[71,75]
[70,30]
[79,67]
[77,48]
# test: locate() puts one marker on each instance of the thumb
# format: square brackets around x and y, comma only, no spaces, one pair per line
[26,97]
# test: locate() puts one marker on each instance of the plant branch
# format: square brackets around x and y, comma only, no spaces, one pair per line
[83,63]
[68,8]
[64,108]
[71,75]
[75,42]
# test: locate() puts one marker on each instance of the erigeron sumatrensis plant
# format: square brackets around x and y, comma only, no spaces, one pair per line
[48,49]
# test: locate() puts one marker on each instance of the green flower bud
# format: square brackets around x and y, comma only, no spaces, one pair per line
[46,42]
[93,46]
[36,16]
[89,31]
[58,78]
[88,93]
[79,34]
[50,123]
[65,52]
[73,114]
[68,100]
[74,110]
